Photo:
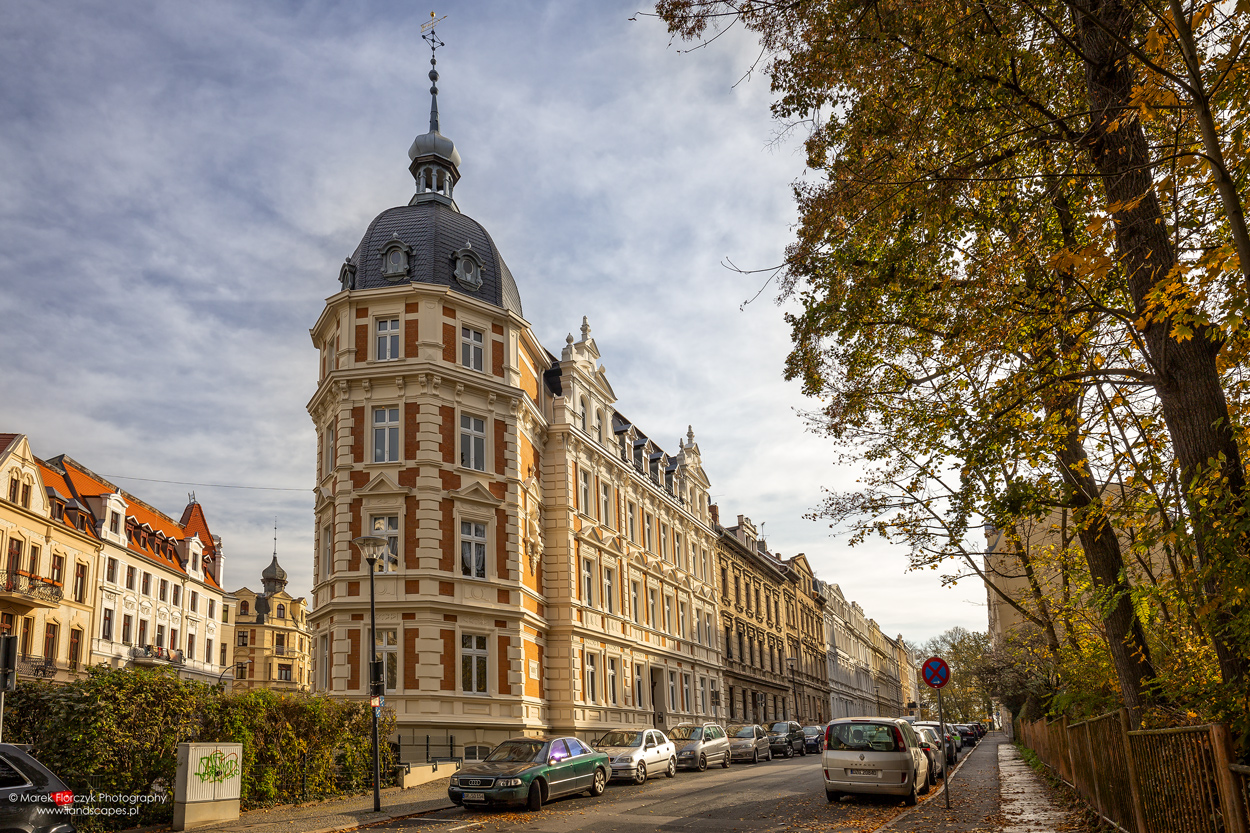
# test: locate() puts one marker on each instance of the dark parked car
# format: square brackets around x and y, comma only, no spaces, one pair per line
[530,771]
[785,737]
[30,794]
[968,735]
[814,738]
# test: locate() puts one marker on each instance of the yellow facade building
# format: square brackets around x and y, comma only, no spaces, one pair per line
[272,641]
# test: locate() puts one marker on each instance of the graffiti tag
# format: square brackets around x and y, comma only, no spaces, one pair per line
[217,767]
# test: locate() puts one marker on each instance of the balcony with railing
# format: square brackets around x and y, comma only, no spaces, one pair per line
[29,591]
[155,655]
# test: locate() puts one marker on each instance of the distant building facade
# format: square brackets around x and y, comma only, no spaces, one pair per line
[272,639]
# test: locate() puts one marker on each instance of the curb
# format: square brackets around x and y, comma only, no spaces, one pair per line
[934,797]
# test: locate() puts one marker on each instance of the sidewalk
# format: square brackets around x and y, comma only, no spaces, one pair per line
[340,814]
[974,793]
[1027,806]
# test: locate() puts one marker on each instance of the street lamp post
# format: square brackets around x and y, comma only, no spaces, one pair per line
[372,547]
[230,668]
[794,691]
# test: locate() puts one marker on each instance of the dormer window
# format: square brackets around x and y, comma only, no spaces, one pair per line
[467,268]
[395,259]
[347,275]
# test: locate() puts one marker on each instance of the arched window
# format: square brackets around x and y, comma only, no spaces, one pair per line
[281,611]
[585,408]
[243,608]
[599,426]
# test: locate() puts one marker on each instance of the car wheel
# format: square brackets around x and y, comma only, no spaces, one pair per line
[726,761]
[672,767]
[770,754]
[755,756]
[803,750]
[789,751]
[833,796]
[535,800]
[702,763]
[932,775]
[600,783]
[640,777]
[911,799]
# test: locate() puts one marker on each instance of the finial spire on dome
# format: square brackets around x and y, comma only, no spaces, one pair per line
[435,160]
[431,37]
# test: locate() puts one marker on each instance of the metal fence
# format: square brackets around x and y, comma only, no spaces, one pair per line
[1177,780]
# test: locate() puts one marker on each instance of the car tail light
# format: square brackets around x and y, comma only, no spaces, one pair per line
[827,775]
[62,798]
[898,739]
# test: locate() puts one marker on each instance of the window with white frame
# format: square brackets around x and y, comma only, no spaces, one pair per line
[328,455]
[640,689]
[703,695]
[631,514]
[588,582]
[599,427]
[646,533]
[605,505]
[703,574]
[685,692]
[387,526]
[590,679]
[582,415]
[388,339]
[385,435]
[668,614]
[651,620]
[473,660]
[584,477]
[672,691]
[611,681]
[679,552]
[634,601]
[609,589]
[471,348]
[472,549]
[472,442]
[386,643]
[664,541]
[681,619]
[327,549]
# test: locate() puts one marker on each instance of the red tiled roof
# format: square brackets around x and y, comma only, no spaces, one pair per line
[195,523]
[54,479]
[6,440]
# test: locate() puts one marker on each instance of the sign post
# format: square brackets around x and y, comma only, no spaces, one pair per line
[937,674]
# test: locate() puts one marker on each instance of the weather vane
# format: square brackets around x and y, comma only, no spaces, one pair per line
[427,31]
[429,36]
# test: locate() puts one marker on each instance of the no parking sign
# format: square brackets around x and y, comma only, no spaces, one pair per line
[936,674]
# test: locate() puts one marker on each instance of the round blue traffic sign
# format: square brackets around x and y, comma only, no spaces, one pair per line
[936,672]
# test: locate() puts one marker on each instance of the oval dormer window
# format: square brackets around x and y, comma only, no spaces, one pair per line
[395,260]
[468,272]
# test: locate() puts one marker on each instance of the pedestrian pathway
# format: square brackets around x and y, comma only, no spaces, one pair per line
[341,814]
[1027,806]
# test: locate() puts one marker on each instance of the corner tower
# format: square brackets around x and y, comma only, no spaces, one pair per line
[428,413]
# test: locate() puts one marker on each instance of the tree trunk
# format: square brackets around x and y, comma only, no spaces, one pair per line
[1190,393]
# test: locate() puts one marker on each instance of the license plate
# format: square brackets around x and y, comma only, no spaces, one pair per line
[862,771]
[475,796]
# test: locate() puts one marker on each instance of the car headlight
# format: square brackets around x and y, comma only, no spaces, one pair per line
[455,780]
[624,759]
[508,782]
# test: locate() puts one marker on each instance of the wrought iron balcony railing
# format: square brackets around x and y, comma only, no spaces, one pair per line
[155,652]
[31,586]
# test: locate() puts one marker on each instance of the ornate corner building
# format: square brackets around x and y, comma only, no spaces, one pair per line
[549,566]
[272,638]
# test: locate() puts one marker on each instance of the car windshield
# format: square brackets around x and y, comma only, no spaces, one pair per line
[863,737]
[686,733]
[812,731]
[621,739]
[742,731]
[517,751]
[780,728]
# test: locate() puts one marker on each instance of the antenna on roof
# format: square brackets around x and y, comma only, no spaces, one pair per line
[190,497]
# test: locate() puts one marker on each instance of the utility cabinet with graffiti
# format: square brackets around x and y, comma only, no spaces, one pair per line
[208,783]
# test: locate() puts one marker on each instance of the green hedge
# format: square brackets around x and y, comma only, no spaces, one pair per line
[117,731]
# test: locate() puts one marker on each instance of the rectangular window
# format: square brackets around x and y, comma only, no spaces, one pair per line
[284,673]
[685,692]
[115,523]
[173,639]
[106,626]
[471,342]
[724,581]
[679,552]
[14,485]
[80,582]
[472,442]
[639,688]
[729,651]
[195,601]
[25,495]
[609,590]
[146,584]
[110,571]
[633,600]
[387,526]
[646,533]
[385,435]
[212,608]
[127,624]
[191,645]
[388,339]
[631,516]
[242,639]
[588,582]
[611,681]
[473,659]
[668,614]
[34,559]
[703,695]
[605,505]
[651,620]
[590,680]
[664,541]
[672,691]
[177,595]
[681,620]
[472,549]
[387,643]
[28,626]
[160,636]
[130,577]
[143,633]
[49,642]
[329,453]
[327,554]
[222,661]
[584,494]
[75,648]
[58,568]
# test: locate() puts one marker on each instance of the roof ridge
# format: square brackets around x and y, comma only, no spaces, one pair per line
[127,495]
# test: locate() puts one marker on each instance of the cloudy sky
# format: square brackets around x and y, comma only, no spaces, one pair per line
[182,180]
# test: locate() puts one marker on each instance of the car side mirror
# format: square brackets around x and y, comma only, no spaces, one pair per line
[924,744]
[552,761]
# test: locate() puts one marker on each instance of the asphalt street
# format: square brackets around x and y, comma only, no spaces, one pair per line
[781,794]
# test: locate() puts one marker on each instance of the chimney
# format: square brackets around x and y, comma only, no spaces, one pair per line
[714,510]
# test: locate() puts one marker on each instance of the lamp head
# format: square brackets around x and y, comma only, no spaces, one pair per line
[371,547]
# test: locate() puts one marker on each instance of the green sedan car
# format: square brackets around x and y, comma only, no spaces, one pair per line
[530,771]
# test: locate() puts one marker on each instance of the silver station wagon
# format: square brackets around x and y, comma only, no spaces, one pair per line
[874,756]
[700,746]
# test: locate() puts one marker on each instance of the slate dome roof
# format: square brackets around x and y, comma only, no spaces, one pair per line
[274,571]
[434,232]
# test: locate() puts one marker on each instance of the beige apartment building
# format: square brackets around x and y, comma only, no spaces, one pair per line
[272,640]
[805,640]
[548,565]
